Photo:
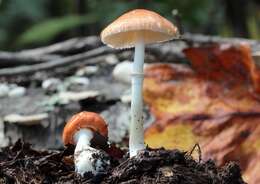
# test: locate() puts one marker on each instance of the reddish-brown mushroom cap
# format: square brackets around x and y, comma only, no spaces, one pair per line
[89,120]
[126,30]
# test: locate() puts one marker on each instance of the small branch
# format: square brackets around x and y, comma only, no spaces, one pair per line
[13,59]
[198,38]
[56,63]
[66,47]
[202,39]
[90,61]
[48,53]
[198,151]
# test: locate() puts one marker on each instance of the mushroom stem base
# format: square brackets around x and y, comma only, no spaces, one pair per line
[86,158]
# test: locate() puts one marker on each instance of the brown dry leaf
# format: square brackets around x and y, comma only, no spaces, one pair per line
[219,62]
[215,104]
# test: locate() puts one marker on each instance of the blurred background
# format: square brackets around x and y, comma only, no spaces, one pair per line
[40,89]
[28,23]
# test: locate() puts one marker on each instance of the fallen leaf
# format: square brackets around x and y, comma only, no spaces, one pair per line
[214,102]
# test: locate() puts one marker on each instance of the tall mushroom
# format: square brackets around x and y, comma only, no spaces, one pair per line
[80,130]
[135,29]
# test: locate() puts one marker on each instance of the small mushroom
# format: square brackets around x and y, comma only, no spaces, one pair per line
[81,130]
[135,29]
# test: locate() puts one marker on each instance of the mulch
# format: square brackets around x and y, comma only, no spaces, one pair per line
[21,163]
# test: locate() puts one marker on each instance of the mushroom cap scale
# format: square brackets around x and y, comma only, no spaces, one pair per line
[89,120]
[138,24]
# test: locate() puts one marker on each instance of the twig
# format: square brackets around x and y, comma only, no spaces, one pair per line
[12,59]
[48,53]
[202,39]
[69,46]
[56,63]
[90,61]
[198,149]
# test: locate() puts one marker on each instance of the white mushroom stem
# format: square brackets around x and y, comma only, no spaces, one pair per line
[82,138]
[136,137]
[84,155]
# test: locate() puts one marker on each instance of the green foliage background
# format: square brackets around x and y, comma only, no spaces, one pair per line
[30,23]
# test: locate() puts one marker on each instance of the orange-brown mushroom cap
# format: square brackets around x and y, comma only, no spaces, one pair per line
[137,24]
[89,120]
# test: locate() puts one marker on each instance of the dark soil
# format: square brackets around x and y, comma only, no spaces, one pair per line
[21,164]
